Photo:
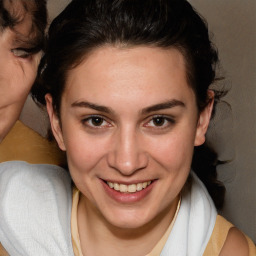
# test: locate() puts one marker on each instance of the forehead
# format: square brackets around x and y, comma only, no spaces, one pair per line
[129,74]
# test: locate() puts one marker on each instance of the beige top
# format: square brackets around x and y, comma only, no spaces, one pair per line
[75,235]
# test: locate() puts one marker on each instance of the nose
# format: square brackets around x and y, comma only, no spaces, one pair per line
[127,154]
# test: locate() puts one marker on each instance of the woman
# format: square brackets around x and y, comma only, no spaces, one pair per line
[22,25]
[126,84]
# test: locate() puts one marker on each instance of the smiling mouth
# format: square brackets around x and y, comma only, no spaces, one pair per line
[132,188]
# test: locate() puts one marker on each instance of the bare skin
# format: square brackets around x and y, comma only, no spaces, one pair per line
[235,244]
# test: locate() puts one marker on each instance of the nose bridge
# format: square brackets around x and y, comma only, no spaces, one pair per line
[127,155]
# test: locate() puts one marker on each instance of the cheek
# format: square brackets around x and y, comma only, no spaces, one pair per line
[27,72]
[18,80]
[174,152]
[83,152]
[84,158]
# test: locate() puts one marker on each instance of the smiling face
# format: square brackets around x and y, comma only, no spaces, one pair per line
[129,123]
[18,66]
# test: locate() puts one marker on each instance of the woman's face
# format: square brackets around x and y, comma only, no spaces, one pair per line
[129,120]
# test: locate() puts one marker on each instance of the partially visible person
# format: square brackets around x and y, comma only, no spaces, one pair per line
[22,26]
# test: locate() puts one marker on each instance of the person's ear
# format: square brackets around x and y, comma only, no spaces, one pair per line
[55,122]
[204,120]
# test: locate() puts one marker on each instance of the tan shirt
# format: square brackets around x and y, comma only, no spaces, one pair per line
[24,144]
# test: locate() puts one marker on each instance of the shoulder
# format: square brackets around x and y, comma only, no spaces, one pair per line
[228,240]
[20,180]
[23,171]
[28,193]
[235,244]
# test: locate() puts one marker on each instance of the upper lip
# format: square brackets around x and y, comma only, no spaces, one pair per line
[128,182]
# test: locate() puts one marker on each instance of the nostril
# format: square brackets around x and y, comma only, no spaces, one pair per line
[127,166]
[126,155]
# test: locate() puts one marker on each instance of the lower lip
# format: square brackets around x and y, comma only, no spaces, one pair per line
[128,197]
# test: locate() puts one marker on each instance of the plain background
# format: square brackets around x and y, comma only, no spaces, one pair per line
[233,130]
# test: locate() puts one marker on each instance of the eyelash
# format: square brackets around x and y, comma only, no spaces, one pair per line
[167,122]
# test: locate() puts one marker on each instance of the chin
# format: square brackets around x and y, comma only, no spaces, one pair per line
[128,219]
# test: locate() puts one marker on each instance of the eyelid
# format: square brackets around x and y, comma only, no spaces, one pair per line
[24,52]
[21,53]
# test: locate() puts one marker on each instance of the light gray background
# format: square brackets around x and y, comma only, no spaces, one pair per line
[233,132]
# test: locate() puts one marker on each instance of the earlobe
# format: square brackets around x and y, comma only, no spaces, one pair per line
[204,120]
[55,122]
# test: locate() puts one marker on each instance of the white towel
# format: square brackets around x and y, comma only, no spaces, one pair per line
[35,210]
[194,224]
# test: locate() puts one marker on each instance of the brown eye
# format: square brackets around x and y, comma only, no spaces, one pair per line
[97,121]
[158,121]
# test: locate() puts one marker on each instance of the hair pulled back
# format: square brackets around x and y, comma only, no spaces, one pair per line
[86,25]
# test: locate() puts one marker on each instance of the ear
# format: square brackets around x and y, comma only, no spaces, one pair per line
[55,122]
[204,120]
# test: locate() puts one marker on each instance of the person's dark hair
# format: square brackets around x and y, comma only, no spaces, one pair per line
[12,13]
[86,25]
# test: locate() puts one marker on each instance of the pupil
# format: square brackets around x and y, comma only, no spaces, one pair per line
[97,121]
[158,121]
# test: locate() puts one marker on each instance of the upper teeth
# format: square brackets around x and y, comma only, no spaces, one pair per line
[128,188]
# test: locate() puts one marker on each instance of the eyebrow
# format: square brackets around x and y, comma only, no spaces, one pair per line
[86,104]
[157,107]
[165,105]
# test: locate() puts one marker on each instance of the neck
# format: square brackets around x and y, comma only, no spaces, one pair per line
[99,237]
